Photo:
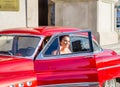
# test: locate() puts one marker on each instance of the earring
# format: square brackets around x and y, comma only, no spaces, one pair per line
[65,42]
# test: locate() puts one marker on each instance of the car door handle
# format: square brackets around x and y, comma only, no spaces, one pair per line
[89,56]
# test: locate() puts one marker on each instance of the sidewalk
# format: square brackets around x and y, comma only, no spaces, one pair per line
[115,47]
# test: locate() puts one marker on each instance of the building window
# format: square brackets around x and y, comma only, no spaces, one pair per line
[118,16]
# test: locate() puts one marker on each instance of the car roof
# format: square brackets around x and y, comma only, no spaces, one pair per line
[43,30]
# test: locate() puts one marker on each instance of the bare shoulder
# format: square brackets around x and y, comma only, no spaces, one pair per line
[55,52]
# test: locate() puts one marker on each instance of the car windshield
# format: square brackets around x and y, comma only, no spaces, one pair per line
[18,45]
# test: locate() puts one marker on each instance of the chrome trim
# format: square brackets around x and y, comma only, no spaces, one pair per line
[38,46]
[89,55]
[82,84]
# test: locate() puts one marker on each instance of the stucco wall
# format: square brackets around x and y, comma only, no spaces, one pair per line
[11,19]
[106,23]
[97,15]
[32,13]
[105,17]
[27,16]
[76,13]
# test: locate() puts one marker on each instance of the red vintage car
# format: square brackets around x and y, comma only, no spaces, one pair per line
[27,59]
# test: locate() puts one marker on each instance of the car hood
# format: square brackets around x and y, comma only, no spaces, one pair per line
[13,64]
[7,79]
[16,70]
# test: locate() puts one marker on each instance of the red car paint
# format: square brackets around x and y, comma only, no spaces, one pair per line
[89,69]
[12,69]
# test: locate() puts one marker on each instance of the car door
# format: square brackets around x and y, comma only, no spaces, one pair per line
[70,70]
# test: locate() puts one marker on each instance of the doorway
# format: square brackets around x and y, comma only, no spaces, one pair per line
[43,12]
[46,12]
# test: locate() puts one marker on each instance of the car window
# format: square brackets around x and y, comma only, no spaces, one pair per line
[18,45]
[26,45]
[53,46]
[6,43]
[80,44]
[45,41]
[96,47]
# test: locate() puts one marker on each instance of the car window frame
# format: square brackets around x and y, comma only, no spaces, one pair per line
[90,38]
[27,35]
[50,44]
[100,48]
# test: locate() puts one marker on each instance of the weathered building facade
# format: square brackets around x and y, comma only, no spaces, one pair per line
[97,15]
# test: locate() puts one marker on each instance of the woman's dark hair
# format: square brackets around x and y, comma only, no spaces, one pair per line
[61,37]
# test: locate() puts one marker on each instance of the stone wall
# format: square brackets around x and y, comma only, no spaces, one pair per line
[96,15]
[76,13]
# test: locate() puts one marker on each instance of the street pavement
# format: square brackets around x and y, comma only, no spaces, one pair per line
[115,47]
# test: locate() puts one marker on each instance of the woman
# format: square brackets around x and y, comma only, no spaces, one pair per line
[64,45]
